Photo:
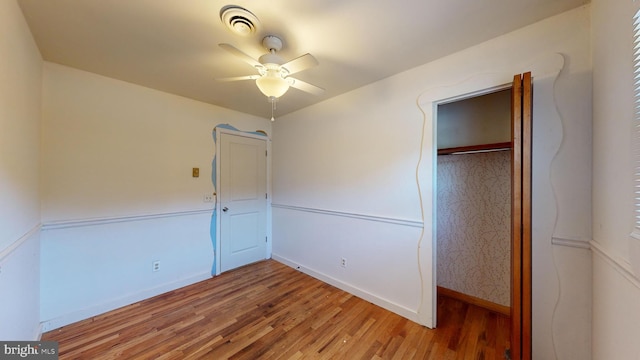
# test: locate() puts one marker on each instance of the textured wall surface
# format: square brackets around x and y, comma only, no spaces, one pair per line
[474,225]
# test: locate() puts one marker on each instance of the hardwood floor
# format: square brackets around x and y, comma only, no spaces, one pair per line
[270,311]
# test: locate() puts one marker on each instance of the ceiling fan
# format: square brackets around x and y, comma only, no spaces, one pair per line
[273,78]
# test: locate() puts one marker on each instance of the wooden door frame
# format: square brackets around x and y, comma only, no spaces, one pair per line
[521,236]
[219,132]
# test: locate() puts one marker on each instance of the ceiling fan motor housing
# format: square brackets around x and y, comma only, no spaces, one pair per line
[272,43]
[270,59]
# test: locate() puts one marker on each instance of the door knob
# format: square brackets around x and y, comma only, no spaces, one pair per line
[225,209]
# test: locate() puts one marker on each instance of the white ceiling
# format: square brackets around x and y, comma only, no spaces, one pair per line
[172,45]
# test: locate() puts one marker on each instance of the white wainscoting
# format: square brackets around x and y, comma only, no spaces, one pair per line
[19,288]
[381,253]
[616,295]
[90,266]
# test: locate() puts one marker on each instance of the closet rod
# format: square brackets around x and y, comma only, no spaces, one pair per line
[475,149]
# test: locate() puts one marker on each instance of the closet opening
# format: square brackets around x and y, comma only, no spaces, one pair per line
[475,138]
[474,199]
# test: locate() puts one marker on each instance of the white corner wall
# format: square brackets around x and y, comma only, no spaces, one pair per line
[119,194]
[20,98]
[344,183]
[616,279]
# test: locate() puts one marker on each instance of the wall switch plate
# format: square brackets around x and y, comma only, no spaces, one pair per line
[195,172]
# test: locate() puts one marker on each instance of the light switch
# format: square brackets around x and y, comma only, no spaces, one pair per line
[195,172]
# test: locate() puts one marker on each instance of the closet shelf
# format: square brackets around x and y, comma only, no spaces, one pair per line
[475,148]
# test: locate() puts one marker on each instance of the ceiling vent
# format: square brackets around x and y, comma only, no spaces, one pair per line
[239,20]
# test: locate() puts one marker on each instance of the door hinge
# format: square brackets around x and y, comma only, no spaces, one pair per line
[265,153]
[265,239]
[266,196]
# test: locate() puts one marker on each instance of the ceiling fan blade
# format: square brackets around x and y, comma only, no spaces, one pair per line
[305,86]
[238,78]
[298,64]
[246,58]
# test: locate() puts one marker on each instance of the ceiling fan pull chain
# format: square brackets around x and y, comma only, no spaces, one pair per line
[273,107]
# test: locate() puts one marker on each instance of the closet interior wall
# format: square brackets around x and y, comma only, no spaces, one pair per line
[474,198]
[474,219]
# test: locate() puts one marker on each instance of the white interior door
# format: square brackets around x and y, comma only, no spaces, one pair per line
[243,200]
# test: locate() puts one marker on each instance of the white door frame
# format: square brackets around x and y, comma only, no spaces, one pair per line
[224,131]
[428,103]
[546,66]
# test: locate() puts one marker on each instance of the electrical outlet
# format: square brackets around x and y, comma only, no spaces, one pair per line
[343,262]
[155,266]
[207,198]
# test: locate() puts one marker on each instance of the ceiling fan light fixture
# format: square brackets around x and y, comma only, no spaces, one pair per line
[272,84]
[274,80]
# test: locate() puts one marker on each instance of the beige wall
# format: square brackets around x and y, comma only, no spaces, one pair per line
[616,284]
[112,148]
[20,99]
[478,120]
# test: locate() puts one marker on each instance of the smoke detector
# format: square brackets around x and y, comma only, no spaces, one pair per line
[239,20]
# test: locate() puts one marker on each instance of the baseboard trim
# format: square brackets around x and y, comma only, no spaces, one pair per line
[372,298]
[485,304]
[403,222]
[113,304]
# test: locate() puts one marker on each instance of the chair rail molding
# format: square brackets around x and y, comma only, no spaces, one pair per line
[383,219]
[65,224]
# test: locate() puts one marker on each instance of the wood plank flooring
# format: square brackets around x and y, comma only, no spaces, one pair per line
[270,311]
